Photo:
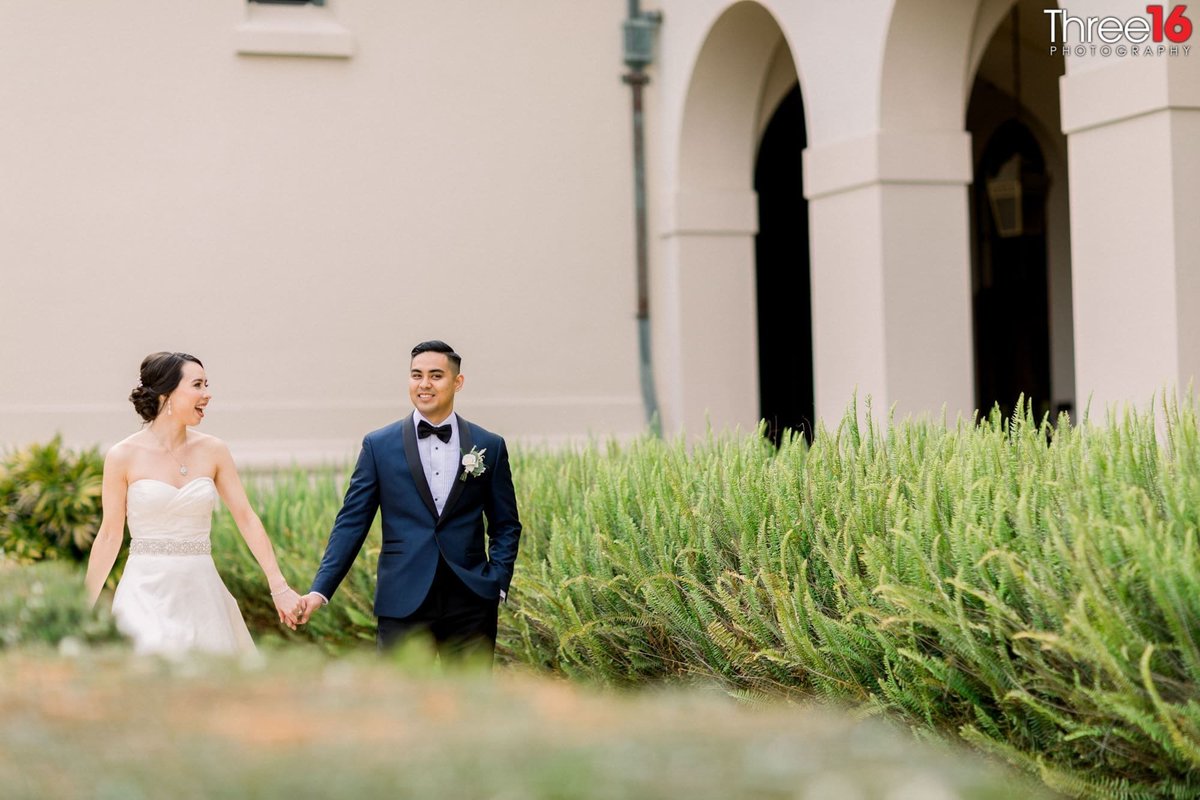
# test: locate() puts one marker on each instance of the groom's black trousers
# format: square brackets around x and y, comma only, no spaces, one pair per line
[460,622]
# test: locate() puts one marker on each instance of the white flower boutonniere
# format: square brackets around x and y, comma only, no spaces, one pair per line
[473,465]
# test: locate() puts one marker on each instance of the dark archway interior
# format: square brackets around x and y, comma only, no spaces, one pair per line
[784,294]
[1011,294]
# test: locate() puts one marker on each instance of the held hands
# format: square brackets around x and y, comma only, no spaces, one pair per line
[286,599]
[293,609]
[306,605]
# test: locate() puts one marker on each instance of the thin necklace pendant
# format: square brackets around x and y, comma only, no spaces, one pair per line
[183,470]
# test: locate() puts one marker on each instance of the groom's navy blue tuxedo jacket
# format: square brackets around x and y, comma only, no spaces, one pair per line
[389,477]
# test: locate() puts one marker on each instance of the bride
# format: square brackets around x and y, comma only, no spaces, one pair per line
[165,479]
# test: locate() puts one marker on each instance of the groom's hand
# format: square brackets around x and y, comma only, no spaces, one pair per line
[306,606]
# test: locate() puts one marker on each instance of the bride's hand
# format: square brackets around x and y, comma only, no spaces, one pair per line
[308,604]
[285,604]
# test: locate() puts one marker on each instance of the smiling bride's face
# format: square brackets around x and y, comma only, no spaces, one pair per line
[191,395]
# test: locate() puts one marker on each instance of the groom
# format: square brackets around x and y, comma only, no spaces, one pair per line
[437,478]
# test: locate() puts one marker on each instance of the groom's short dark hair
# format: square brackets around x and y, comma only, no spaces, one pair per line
[438,346]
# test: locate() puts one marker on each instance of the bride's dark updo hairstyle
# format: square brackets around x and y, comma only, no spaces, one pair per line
[160,374]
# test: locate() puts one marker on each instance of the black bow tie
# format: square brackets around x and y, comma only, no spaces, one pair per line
[441,431]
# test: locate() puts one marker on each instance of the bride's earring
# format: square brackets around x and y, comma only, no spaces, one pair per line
[169,412]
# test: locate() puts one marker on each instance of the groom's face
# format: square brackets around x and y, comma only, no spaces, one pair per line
[432,384]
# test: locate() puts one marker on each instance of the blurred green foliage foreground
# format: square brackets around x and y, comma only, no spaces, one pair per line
[297,724]
[1028,587]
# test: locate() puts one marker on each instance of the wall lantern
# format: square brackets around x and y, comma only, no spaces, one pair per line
[1005,198]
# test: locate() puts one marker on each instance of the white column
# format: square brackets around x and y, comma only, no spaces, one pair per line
[705,313]
[1133,131]
[891,273]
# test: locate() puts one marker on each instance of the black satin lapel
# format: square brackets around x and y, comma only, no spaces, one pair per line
[413,456]
[465,444]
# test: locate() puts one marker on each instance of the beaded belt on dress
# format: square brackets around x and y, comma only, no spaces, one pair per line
[200,546]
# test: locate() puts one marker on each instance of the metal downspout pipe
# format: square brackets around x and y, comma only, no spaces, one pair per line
[639,29]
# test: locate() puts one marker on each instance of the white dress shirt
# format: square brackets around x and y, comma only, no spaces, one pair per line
[439,459]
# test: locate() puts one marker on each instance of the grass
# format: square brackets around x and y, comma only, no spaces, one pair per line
[296,723]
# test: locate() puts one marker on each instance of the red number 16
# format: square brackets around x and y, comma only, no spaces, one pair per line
[1177,27]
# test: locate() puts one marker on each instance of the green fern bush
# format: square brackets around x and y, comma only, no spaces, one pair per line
[1033,589]
[49,502]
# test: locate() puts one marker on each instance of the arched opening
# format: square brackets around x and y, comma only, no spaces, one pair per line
[1020,271]
[706,292]
[785,360]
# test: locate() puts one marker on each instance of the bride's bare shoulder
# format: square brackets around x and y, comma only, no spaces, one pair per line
[128,445]
[199,439]
[123,452]
[206,442]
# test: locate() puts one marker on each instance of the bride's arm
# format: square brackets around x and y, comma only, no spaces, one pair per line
[229,485]
[108,539]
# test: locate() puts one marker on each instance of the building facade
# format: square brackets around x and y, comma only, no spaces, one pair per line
[937,203]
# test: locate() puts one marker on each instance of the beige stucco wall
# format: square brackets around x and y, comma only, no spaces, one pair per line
[299,223]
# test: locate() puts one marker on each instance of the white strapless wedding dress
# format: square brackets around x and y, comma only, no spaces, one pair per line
[170,599]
